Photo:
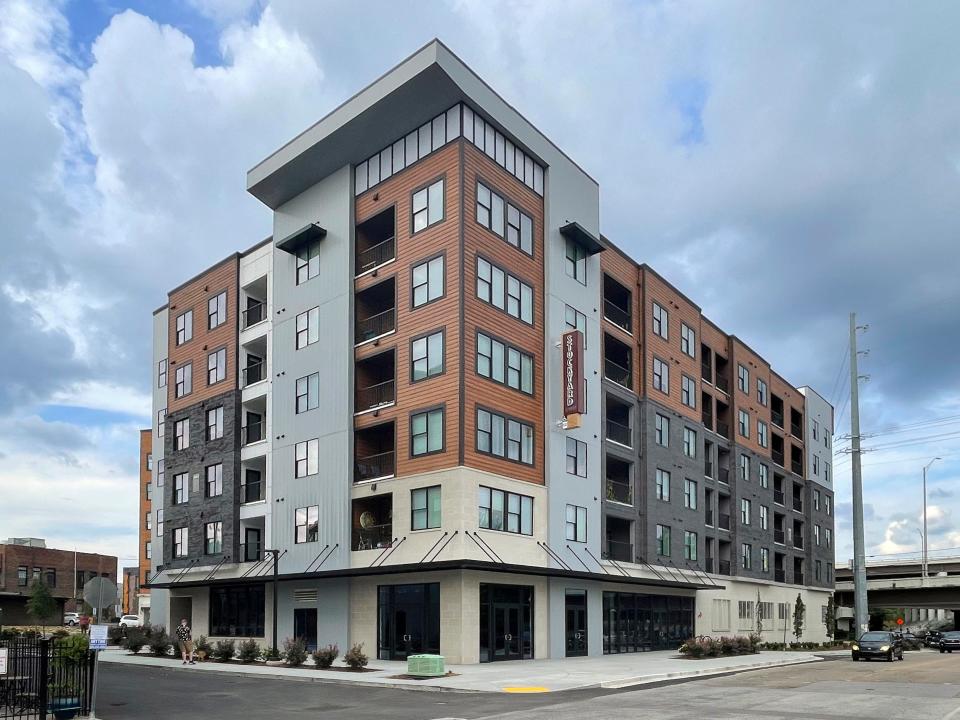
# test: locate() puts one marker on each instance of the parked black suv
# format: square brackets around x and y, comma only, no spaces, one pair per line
[950,641]
[880,644]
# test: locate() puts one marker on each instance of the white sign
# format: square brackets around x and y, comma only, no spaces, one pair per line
[3,661]
[98,637]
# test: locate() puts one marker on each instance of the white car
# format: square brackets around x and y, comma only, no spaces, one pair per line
[130,621]
[71,618]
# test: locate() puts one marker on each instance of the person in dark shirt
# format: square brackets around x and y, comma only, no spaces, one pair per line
[186,642]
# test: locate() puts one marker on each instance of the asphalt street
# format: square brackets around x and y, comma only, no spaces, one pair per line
[926,686]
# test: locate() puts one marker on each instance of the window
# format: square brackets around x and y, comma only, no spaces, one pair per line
[308,262]
[217,310]
[721,614]
[688,340]
[306,524]
[149,461]
[826,504]
[764,473]
[180,542]
[818,570]
[689,442]
[662,430]
[513,225]
[505,511]
[661,376]
[663,485]
[426,432]
[576,320]
[689,545]
[184,380]
[503,291]
[308,327]
[161,421]
[213,535]
[661,321]
[184,327]
[504,437]
[830,572]
[22,576]
[746,556]
[816,464]
[762,433]
[161,472]
[576,523]
[181,488]
[425,508]
[181,430]
[764,517]
[745,511]
[690,494]
[306,458]
[308,392]
[744,423]
[216,366]
[162,373]
[663,540]
[743,379]
[816,429]
[159,523]
[519,229]
[215,423]
[428,206]
[765,567]
[149,488]
[147,521]
[426,356]
[214,480]
[148,550]
[688,391]
[427,281]
[576,457]
[745,614]
[762,395]
[827,537]
[237,611]
[816,499]
[744,467]
[826,472]
[576,261]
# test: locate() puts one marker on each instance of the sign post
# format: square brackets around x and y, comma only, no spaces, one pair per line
[98,642]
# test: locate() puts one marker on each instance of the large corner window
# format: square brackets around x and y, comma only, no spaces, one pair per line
[505,511]
[504,437]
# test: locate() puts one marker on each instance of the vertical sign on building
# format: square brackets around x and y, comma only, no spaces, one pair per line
[571,345]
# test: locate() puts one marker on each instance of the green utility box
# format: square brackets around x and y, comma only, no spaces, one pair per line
[425,665]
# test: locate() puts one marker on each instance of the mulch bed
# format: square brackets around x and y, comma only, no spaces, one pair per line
[308,668]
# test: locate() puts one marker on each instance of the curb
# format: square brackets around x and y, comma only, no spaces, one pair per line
[695,674]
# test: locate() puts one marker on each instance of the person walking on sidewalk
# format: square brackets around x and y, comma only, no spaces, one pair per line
[186,641]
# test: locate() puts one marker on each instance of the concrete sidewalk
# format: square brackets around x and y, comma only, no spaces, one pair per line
[609,671]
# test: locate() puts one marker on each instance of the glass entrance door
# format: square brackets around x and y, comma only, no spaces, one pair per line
[305,626]
[576,620]
[507,631]
[409,620]
[506,622]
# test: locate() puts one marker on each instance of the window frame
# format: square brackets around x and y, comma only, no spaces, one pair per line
[183,385]
[428,262]
[507,206]
[664,540]
[662,488]
[181,440]
[579,457]
[428,493]
[425,339]
[308,329]
[688,338]
[217,425]
[214,319]
[691,439]
[426,189]
[306,395]
[743,378]
[661,429]
[506,445]
[661,370]
[503,296]
[578,525]
[426,413]
[688,387]
[307,262]
[306,446]
[578,262]
[660,321]
[306,524]
[162,367]
[181,488]
[220,372]
[506,367]
[217,527]
[186,331]
[182,541]
[690,550]
[523,502]
[691,494]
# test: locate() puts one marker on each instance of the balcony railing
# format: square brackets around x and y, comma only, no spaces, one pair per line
[725,476]
[724,567]
[706,372]
[778,536]
[619,433]
[619,551]
[251,432]
[723,384]
[376,256]
[376,325]
[252,373]
[255,313]
[617,315]
[797,467]
[252,491]
[708,469]
[796,430]
[708,564]
[707,420]
[374,396]
[798,504]
[778,497]
[620,492]
[615,372]
[708,517]
[780,575]
[776,418]
[375,466]
[373,537]
[724,521]
[798,540]
[777,457]
[251,552]
[797,578]
[723,429]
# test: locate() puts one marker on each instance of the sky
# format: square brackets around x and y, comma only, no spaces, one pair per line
[782,163]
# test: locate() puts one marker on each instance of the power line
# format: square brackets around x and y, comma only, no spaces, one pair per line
[834,392]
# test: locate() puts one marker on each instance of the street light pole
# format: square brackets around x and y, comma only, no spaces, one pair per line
[925,566]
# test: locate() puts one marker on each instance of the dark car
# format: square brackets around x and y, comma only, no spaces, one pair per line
[878,644]
[932,639]
[950,641]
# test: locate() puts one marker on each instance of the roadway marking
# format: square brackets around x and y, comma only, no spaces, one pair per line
[528,689]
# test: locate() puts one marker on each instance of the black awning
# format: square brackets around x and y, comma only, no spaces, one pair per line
[292,242]
[583,237]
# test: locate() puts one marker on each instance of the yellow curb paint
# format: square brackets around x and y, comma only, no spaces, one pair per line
[533,689]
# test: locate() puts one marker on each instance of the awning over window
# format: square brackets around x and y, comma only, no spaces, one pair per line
[579,234]
[295,240]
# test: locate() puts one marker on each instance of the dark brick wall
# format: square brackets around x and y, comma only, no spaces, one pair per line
[199,509]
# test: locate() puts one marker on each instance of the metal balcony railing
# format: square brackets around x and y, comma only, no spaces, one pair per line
[373,537]
[379,465]
[778,497]
[617,315]
[620,492]
[617,373]
[707,420]
[708,564]
[708,469]
[374,257]
[798,540]
[252,432]
[708,518]
[723,429]
[798,504]
[723,384]
[376,325]
[778,537]
[797,467]
[619,551]
[796,430]
[253,373]
[254,314]
[725,476]
[797,578]
[777,457]
[724,566]
[252,491]
[251,552]
[780,575]
[619,433]
[723,521]
[706,372]
[374,396]
[776,417]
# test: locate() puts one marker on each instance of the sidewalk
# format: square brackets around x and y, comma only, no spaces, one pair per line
[609,671]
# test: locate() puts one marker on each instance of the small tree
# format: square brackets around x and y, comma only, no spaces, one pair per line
[799,610]
[830,618]
[759,614]
[40,604]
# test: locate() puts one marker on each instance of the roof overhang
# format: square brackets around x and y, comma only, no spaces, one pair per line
[297,239]
[583,237]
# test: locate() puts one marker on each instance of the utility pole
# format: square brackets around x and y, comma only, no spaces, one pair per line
[860,612]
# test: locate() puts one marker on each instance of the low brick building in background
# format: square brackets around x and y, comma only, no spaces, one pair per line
[22,560]
[129,599]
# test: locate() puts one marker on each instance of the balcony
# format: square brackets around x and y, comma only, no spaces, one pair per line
[708,518]
[723,385]
[376,387]
[778,537]
[796,460]
[618,422]
[619,484]
[797,578]
[780,576]
[255,314]
[708,564]
[776,418]
[617,361]
[724,476]
[251,551]
[796,423]
[619,551]
[617,303]
[617,315]
[372,523]
[708,469]
[254,372]
[619,539]
[254,431]
[723,429]
[778,497]
[724,567]
[619,492]
[253,300]
[376,242]
[796,431]
[706,416]
[252,485]
[723,521]
[618,433]
[375,453]
[376,314]
[706,363]
[798,541]
[777,456]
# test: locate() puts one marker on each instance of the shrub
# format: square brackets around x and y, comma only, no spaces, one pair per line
[727,646]
[224,650]
[324,657]
[248,651]
[134,641]
[159,642]
[203,647]
[355,657]
[271,653]
[60,633]
[295,651]
[115,635]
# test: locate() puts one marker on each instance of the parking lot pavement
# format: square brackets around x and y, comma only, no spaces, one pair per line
[926,686]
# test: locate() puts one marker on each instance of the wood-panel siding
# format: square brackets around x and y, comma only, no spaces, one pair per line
[759,370]
[627,273]
[194,296]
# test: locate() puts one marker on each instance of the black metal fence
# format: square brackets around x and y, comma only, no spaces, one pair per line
[45,676]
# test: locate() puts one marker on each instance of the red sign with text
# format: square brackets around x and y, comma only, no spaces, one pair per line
[571,345]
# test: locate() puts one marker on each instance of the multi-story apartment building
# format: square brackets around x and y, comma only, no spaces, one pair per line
[135,594]
[454,417]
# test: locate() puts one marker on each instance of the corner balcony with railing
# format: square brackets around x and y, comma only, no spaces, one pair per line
[372,523]
[617,304]
[375,456]
[375,382]
[376,242]
[253,312]
[376,312]
[617,361]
